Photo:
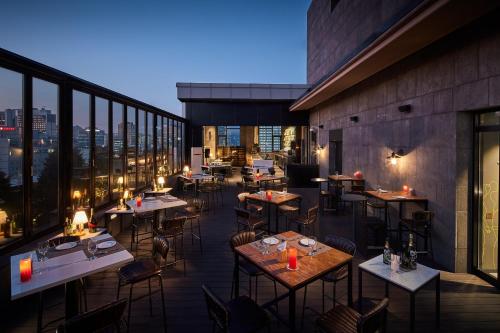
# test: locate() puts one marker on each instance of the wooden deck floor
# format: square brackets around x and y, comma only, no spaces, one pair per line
[468,303]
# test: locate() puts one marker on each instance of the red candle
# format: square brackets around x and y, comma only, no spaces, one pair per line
[25,269]
[292,258]
[138,201]
[269,195]
[405,188]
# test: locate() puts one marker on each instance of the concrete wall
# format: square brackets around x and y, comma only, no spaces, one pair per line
[334,36]
[444,83]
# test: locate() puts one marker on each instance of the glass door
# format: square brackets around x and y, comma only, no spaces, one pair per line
[487,199]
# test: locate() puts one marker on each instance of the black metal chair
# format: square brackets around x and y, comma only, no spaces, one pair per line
[103,318]
[290,210]
[138,221]
[239,315]
[192,212]
[341,244]
[173,228]
[421,225]
[142,270]
[347,320]
[306,222]
[249,220]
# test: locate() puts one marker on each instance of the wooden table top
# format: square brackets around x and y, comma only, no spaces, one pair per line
[267,178]
[395,196]
[277,199]
[309,268]
[342,178]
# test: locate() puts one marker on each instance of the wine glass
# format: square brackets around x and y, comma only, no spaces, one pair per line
[312,244]
[92,248]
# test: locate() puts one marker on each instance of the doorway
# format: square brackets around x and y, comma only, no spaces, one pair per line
[335,151]
[486,251]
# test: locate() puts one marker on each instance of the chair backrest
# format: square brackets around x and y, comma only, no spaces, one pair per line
[341,243]
[96,320]
[374,320]
[63,239]
[160,246]
[312,214]
[423,216]
[241,213]
[175,223]
[248,179]
[242,197]
[242,238]
[216,309]
[272,171]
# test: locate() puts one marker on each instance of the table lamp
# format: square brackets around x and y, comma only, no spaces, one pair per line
[120,183]
[161,182]
[77,196]
[79,220]
[185,170]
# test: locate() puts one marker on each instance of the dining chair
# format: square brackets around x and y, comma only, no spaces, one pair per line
[307,221]
[247,267]
[341,244]
[193,212]
[347,320]
[239,315]
[421,225]
[138,221]
[250,185]
[249,220]
[289,210]
[101,319]
[173,228]
[145,269]
[243,202]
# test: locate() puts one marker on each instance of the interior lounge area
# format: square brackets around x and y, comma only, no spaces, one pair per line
[363,200]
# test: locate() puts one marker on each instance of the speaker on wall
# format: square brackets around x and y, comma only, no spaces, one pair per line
[207,152]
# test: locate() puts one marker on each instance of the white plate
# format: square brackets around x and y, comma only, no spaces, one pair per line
[106,244]
[307,242]
[383,191]
[66,246]
[271,240]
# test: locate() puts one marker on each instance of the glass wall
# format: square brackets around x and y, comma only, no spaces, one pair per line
[171,145]
[150,143]
[11,156]
[141,149]
[269,138]
[101,137]
[159,144]
[81,146]
[131,148]
[45,140]
[118,153]
[166,166]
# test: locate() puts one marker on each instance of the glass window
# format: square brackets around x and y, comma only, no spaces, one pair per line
[11,156]
[101,136]
[179,145]
[118,154]
[228,136]
[81,146]
[165,146]
[183,142]
[131,148]
[174,142]
[159,143]
[141,150]
[269,138]
[150,143]
[171,145]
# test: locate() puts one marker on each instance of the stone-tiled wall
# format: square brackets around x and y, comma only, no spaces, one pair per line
[333,36]
[444,83]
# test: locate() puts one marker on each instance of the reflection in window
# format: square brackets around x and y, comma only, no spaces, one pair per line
[159,143]
[228,136]
[171,145]
[166,166]
[11,156]
[81,146]
[269,138]
[141,150]
[101,138]
[117,166]
[150,143]
[174,143]
[131,147]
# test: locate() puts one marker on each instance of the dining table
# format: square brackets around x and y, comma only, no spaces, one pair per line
[155,204]
[197,178]
[65,267]
[277,199]
[309,268]
[157,192]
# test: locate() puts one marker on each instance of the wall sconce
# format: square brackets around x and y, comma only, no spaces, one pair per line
[354,119]
[393,157]
[405,108]
[321,126]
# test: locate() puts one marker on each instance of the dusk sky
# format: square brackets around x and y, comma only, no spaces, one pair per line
[142,48]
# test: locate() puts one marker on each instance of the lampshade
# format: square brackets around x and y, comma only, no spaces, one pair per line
[126,194]
[80,217]
[120,180]
[186,169]
[77,194]
[161,181]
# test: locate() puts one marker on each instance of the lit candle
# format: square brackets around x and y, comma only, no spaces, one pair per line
[292,258]
[269,195]
[25,269]
[405,188]
[138,201]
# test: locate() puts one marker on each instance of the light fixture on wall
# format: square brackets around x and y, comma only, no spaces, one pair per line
[354,119]
[405,108]
[394,156]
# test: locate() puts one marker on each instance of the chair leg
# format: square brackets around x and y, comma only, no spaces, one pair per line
[163,303]
[150,300]
[129,307]
[322,296]
[250,287]
[199,236]
[118,290]
[256,287]
[334,294]
[39,323]
[192,234]
[276,295]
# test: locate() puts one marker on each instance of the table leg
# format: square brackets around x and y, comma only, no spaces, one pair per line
[276,218]
[349,283]
[387,289]
[412,312]
[360,290]
[268,218]
[291,310]
[71,299]
[236,275]
[438,301]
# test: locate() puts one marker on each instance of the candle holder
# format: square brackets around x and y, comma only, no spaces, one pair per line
[25,269]
[269,195]
[292,259]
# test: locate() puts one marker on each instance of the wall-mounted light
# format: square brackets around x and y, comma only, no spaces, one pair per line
[393,157]
[405,108]
[321,126]
[354,119]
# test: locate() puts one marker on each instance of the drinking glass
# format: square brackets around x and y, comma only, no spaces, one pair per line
[285,189]
[264,245]
[43,248]
[313,245]
[92,248]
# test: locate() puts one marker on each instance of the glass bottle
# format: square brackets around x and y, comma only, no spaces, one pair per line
[92,222]
[404,256]
[387,252]
[412,253]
